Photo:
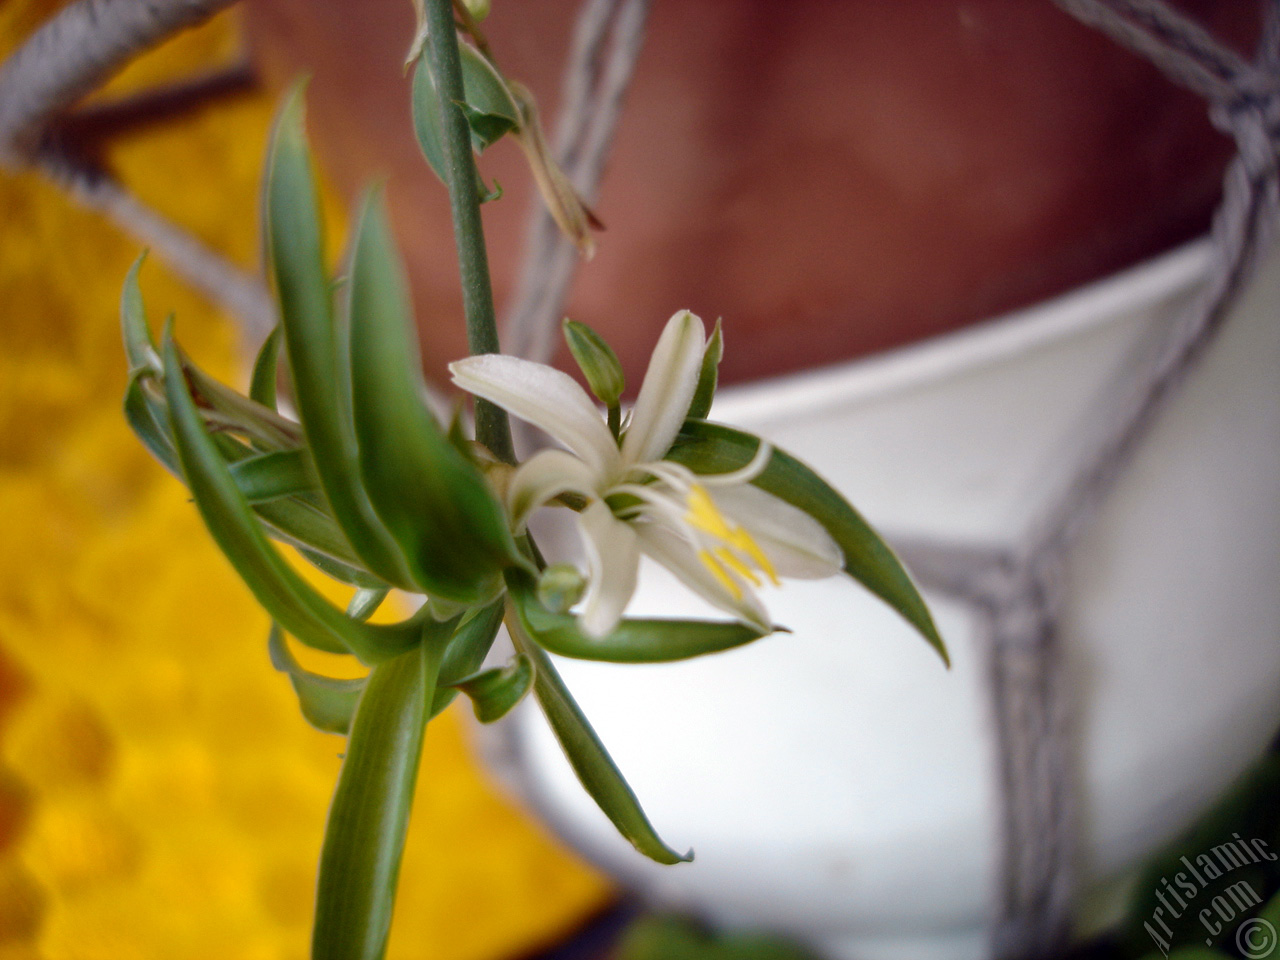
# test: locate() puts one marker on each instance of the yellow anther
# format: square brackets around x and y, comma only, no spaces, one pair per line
[718,571]
[747,544]
[729,559]
[705,515]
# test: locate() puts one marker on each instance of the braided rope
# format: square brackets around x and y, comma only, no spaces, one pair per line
[606,45]
[1018,593]
[67,58]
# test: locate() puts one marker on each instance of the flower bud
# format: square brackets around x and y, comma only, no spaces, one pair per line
[479,9]
[597,360]
[560,586]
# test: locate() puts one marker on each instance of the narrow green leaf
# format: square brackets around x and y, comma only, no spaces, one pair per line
[483,87]
[494,693]
[487,195]
[426,117]
[486,128]
[632,641]
[139,348]
[466,651]
[270,476]
[139,411]
[295,255]
[234,411]
[305,526]
[436,504]
[262,385]
[369,817]
[709,375]
[707,447]
[366,602]
[289,599]
[327,703]
[663,937]
[344,572]
[596,770]
[427,130]
[144,409]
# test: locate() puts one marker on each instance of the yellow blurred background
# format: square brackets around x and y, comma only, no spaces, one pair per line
[160,796]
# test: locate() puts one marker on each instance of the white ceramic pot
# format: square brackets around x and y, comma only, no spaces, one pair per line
[838,783]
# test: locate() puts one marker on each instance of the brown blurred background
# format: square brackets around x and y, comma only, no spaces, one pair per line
[833,178]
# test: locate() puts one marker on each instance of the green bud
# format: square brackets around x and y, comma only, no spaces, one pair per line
[597,360]
[560,586]
[479,9]
[708,376]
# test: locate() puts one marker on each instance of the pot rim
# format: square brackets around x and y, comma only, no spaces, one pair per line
[1005,337]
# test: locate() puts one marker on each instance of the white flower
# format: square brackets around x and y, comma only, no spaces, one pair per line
[721,536]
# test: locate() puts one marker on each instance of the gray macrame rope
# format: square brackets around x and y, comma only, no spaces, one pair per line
[606,45]
[69,57]
[1018,593]
[73,54]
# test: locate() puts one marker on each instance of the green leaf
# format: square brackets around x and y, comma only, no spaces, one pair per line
[270,476]
[327,703]
[295,255]
[487,195]
[434,501]
[144,409]
[665,937]
[366,602]
[426,117]
[466,651]
[597,361]
[306,527]
[139,348]
[352,576]
[289,599]
[426,125]
[262,385]
[141,413]
[232,410]
[486,128]
[495,692]
[483,87]
[632,641]
[369,817]
[708,376]
[596,770]
[706,447]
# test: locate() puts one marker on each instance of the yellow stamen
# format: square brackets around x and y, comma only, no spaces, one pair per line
[726,556]
[717,570]
[747,544]
[706,516]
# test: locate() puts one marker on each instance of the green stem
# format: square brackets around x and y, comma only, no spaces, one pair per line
[492,428]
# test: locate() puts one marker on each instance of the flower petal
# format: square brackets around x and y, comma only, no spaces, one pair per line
[798,546]
[544,397]
[674,553]
[543,477]
[667,390]
[613,561]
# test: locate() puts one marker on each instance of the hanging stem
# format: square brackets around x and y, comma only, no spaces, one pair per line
[492,427]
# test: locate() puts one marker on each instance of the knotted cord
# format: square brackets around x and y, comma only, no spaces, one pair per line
[606,45]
